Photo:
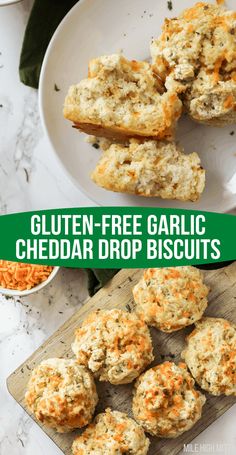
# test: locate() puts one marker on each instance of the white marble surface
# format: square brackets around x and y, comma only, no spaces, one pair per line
[31,178]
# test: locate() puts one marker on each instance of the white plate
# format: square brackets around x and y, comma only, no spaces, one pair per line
[93,28]
[8,2]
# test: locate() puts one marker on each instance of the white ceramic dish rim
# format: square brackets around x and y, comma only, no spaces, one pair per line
[15,293]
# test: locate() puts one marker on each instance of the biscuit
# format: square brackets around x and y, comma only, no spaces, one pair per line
[61,394]
[122,99]
[171,298]
[196,56]
[112,433]
[114,344]
[211,355]
[150,169]
[165,402]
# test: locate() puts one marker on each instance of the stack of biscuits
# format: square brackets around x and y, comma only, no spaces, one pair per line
[136,105]
[115,346]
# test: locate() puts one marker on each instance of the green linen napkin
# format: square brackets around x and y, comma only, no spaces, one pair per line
[44,18]
[97,278]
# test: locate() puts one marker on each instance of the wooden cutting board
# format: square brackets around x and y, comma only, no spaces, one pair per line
[222,303]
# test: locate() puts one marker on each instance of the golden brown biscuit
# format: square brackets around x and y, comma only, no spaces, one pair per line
[112,433]
[150,169]
[211,355]
[196,56]
[114,344]
[165,402]
[61,394]
[122,99]
[171,298]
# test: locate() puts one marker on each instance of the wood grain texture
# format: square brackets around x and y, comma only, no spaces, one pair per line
[222,303]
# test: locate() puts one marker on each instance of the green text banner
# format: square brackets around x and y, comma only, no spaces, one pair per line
[118,237]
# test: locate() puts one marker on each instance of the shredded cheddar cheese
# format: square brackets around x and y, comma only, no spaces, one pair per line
[20,276]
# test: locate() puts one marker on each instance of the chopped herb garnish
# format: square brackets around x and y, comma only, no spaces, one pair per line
[19,439]
[163,356]
[170,5]
[128,307]
[26,175]
[56,88]
[96,145]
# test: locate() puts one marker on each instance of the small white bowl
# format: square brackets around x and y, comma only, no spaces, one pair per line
[15,293]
